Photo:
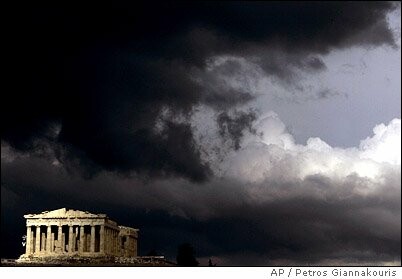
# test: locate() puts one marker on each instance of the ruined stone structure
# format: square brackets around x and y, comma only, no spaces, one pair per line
[74,233]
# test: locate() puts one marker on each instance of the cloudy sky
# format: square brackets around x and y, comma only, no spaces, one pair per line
[261,133]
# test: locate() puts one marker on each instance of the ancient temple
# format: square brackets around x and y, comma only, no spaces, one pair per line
[76,233]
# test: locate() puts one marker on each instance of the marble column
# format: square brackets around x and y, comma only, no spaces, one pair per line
[76,238]
[127,246]
[111,243]
[106,242]
[37,239]
[52,243]
[28,241]
[49,239]
[102,239]
[74,242]
[43,242]
[112,240]
[82,239]
[32,239]
[63,242]
[92,248]
[118,243]
[60,240]
[70,240]
[115,242]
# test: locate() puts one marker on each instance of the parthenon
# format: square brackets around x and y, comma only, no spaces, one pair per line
[76,233]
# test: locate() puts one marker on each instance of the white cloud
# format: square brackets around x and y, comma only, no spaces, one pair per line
[273,152]
[273,192]
[385,145]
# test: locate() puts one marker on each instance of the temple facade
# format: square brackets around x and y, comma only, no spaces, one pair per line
[76,233]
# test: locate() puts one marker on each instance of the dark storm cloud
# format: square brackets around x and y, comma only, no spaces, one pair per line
[326,93]
[104,72]
[233,127]
[304,221]
[284,66]
[316,63]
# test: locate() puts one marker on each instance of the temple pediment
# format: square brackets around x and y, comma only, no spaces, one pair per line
[65,213]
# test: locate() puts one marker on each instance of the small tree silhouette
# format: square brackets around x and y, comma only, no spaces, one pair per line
[210,263]
[186,255]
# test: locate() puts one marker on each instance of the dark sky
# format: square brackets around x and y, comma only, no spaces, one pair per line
[146,112]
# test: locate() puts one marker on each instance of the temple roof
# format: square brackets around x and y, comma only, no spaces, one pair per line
[65,213]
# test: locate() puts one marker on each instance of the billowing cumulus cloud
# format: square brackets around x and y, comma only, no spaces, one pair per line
[273,151]
[278,199]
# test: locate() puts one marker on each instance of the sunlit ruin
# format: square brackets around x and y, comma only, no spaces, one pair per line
[71,236]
